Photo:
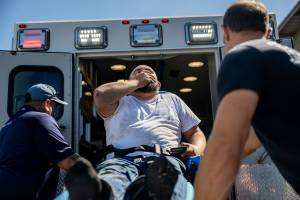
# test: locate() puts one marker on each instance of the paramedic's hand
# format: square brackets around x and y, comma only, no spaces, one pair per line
[144,78]
[191,150]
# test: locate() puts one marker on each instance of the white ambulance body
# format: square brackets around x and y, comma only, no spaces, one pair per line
[77,56]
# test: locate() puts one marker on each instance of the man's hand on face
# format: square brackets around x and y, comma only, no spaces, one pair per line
[144,78]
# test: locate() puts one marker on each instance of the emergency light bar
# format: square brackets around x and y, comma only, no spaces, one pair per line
[201,33]
[33,39]
[146,35]
[91,38]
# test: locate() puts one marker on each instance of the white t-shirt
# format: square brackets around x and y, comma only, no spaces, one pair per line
[160,120]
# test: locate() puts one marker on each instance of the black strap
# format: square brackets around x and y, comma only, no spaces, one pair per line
[123,152]
[177,151]
[100,154]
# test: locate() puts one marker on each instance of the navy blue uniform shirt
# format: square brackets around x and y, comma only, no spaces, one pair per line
[30,144]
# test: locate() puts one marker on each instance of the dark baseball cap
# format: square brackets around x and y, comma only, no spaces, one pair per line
[41,92]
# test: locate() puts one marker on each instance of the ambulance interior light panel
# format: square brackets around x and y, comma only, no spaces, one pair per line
[34,39]
[201,33]
[91,38]
[146,35]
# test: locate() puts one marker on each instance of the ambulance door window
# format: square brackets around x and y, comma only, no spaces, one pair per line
[22,77]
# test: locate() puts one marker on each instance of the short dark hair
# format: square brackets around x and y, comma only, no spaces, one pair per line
[245,16]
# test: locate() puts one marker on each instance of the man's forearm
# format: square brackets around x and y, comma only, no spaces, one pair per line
[198,139]
[110,93]
[225,146]
[217,171]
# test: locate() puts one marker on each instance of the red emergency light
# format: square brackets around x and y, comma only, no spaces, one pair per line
[32,44]
[22,26]
[165,21]
[33,39]
[146,21]
[125,22]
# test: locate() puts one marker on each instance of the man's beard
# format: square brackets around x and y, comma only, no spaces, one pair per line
[150,87]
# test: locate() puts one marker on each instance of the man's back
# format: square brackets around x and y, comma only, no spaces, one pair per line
[273,71]
[22,165]
[25,155]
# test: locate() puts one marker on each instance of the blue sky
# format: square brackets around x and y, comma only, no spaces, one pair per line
[12,11]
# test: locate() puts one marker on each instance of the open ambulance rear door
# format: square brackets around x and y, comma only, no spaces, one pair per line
[20,70]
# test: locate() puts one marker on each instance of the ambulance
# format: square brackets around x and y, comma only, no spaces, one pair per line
[77,56]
